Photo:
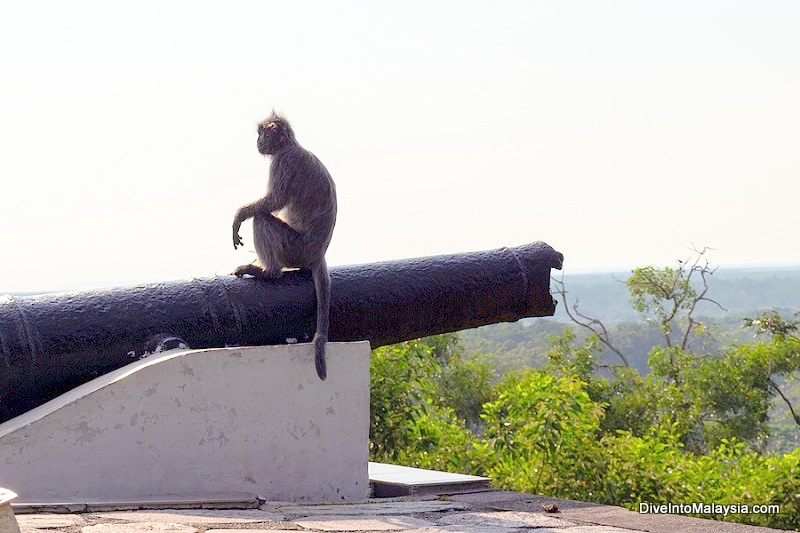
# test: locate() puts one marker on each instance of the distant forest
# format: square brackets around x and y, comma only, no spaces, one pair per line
[739,291]
[742,293]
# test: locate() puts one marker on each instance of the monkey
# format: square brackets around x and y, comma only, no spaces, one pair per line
[293,222]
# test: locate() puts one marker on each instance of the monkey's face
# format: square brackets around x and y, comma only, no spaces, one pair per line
[272,136]
[266,138]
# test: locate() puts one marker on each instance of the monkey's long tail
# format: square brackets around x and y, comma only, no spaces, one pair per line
[322,286]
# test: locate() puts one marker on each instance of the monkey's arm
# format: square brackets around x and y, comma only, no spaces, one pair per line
[267,204]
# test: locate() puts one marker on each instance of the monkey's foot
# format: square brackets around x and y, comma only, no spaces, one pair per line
[249,269]
[256,271]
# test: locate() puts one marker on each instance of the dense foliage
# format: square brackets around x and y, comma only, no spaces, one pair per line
[693,429]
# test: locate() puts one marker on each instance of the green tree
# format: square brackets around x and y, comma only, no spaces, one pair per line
[705,398]
[464,385]
[547,432]
[540,431]
[401,380]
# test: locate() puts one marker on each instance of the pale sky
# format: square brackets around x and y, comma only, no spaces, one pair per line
[618,132]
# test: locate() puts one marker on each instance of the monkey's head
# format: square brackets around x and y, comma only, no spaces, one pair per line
[274,135]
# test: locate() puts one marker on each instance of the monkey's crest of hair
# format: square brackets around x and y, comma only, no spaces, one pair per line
[276,121]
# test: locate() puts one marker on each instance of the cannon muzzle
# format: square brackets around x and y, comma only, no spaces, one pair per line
[52,343]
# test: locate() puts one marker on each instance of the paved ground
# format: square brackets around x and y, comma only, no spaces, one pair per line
[486,511]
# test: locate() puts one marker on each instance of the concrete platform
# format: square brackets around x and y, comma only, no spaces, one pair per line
[472,511]
[487,511]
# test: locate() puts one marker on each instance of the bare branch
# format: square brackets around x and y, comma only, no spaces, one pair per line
[592,324]
[786,400]
[704,271]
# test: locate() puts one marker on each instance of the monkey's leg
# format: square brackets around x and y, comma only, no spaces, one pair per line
[276,244]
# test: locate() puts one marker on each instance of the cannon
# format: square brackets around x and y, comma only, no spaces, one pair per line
[52,343]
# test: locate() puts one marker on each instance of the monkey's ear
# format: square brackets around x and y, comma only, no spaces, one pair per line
[282,136]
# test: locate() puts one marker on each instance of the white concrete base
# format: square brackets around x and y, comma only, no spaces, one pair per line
[251,419]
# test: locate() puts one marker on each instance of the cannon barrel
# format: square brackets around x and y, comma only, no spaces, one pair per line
[52,343]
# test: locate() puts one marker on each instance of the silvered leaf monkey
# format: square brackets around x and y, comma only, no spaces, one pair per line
[293,222]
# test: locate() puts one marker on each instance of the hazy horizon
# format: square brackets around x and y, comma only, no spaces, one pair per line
[747,269]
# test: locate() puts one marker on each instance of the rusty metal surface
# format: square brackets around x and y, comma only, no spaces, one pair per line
[52,343]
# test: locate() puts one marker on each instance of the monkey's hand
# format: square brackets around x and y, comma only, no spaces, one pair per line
[237,239]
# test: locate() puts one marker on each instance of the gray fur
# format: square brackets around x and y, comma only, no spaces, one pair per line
[293,223]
